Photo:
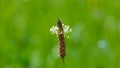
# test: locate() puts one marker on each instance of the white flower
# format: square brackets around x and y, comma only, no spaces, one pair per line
[54,29]
[66,29]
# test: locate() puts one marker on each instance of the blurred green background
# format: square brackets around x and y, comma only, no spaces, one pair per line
[26,42]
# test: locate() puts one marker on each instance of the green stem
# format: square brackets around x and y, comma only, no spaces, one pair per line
[63,66]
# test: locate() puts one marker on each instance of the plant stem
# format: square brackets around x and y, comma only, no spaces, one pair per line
[63,64]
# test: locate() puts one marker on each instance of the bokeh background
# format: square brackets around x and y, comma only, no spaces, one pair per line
[26,42]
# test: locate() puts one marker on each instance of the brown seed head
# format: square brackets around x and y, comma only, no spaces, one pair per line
[61,39]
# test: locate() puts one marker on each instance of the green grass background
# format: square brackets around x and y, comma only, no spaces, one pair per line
[26,42]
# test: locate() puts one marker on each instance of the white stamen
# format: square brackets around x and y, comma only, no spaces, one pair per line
[66,29]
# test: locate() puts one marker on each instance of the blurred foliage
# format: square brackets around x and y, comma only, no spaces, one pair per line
[26,42]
